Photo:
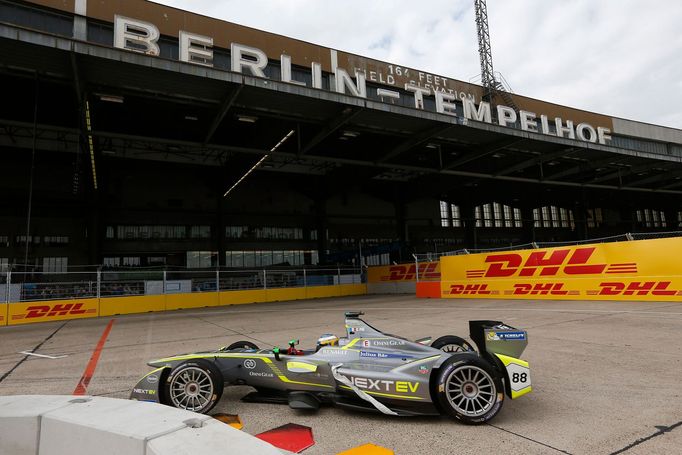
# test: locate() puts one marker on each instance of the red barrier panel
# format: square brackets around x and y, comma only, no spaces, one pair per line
[428,289]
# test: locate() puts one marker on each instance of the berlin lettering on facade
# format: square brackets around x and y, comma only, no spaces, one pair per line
[140,36]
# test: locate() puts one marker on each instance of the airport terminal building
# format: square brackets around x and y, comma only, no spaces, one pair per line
[135,135]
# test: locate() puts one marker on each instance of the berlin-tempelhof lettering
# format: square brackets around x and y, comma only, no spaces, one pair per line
[140,36]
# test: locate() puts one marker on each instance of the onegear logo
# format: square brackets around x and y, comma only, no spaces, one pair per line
[249,364]
[543,263]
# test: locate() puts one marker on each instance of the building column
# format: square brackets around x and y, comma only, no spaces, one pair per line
[528,225]
[321,227]
[219,229]
[469,219]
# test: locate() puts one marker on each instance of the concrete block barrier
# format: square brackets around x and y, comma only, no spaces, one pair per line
[69,425]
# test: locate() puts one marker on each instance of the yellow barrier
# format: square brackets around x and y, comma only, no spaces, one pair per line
[428,271]
[57,310]
[52,310]
[241,297]
[639,270]
[110,306]
[277,295]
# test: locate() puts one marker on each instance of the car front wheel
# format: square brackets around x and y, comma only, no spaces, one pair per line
[195,385]
[469,390]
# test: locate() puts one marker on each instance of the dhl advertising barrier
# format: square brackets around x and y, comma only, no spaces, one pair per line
[401,278]
[52,310]
[637,270]
[58,310]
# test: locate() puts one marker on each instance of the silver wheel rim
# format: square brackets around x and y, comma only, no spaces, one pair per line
[454,348]
[470,391]
[191,389]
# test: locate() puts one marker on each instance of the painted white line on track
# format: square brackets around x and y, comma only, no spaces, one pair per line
[44,356]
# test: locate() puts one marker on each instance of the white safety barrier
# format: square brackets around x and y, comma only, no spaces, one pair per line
[69,425]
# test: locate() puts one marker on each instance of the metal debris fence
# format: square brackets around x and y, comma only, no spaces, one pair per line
[31,286]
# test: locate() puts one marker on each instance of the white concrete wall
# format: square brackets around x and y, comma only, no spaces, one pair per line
[67,425]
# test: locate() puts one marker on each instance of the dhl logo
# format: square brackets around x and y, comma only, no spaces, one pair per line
[543,263]
[40,311]
[409,272]
[635,288]
[653,288]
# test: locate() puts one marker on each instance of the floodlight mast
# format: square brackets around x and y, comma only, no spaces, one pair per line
[484,50]
[492,86]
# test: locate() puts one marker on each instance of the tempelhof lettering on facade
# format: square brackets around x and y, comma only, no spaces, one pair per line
[140,36]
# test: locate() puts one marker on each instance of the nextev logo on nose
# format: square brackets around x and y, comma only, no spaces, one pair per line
[380,385]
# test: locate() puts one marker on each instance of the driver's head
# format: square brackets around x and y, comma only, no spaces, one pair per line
[328,339]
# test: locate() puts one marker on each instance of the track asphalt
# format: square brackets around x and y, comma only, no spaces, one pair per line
[606,375]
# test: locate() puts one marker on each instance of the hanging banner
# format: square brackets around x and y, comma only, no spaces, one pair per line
[638,270]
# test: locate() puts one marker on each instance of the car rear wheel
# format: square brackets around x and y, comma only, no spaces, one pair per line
[452,343]
[469,390]
[241,345]
[195,385]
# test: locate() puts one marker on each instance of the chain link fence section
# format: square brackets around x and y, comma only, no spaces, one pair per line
[34,286]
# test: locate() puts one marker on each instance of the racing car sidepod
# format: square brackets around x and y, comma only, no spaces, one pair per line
[502,345]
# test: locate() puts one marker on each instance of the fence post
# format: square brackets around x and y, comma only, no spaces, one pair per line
[217,280]
[99,282]
[8,292]
[265,279]
[305,278]
[416,266]
[338,275]
[164,282]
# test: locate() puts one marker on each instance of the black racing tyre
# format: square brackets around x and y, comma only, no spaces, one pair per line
[469,390]
[452,343]
[241,345]
[194,385]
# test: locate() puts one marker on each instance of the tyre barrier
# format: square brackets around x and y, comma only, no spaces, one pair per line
[70,425]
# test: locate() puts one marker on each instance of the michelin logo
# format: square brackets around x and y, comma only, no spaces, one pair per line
[506,336]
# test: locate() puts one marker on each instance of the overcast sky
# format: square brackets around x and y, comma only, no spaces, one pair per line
[617,57]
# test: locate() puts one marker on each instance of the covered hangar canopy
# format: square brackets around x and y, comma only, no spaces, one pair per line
[107,89]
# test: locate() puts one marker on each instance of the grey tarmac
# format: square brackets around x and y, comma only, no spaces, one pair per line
[606,375]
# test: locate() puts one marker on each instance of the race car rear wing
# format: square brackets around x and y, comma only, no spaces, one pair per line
[496,337]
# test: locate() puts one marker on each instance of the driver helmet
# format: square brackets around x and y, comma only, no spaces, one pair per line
[328,339]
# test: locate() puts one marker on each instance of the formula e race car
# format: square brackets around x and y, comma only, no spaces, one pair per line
[366,370]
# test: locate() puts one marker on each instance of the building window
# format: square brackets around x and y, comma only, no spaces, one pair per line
[553,217]
[450,215]
[131,261]
[594,218]
[257,259]
[201,259]
[150,232]
[111,262]
[55,240]
[4,266]
[652,218]
[110,232]
[236,232]
[497,215]
[4,241]
[21,240]
[378,259]
[200,232]
[55,264]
